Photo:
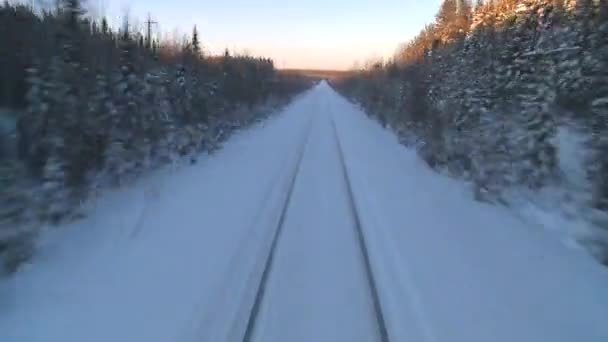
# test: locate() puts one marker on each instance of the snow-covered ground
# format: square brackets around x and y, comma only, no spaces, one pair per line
[565,208]
[181,255]
[318,288]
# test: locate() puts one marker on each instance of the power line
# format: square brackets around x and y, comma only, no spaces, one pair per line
[149,24]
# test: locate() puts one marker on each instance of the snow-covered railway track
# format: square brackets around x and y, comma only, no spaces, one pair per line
[343,226]
[261,286]
[363,244]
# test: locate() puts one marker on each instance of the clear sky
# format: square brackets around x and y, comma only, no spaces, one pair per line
[323,34]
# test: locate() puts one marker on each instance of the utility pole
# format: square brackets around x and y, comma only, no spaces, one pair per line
[149,24]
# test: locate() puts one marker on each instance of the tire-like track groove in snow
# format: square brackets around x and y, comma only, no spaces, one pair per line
[261,290]
[379,313]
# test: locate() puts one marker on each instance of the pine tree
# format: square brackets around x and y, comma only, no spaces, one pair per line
[122,155]
[56,149]
[105,30]
[447,20]
[37,118]
[599,109]
[558,12]
[196,45]
[534,96]
[582,15]
[74,74]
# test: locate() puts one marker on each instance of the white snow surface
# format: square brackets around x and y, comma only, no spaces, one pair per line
[179,255]
[318,280]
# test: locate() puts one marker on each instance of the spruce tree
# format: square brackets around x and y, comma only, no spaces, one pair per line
[598,168]
[196,45]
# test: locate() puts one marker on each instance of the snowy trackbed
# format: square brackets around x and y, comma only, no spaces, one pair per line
[369,309]
[315,226]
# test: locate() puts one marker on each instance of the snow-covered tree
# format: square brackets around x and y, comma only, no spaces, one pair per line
[99,106]
[599,110]
[485,100]
[196,44]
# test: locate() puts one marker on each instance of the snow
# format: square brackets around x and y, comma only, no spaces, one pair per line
[563,208]
[154,262]
[572,153]
[318,290]
[179,255]
[467,271]
[8,126]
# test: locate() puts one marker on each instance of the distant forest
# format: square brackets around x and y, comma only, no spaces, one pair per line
[318,74]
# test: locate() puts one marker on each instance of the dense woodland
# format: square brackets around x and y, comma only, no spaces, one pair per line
[84,106]
[484,90]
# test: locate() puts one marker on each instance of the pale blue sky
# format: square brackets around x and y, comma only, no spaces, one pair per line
[327,34]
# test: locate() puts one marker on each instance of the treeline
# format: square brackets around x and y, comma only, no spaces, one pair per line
[87,106]
[484,90]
